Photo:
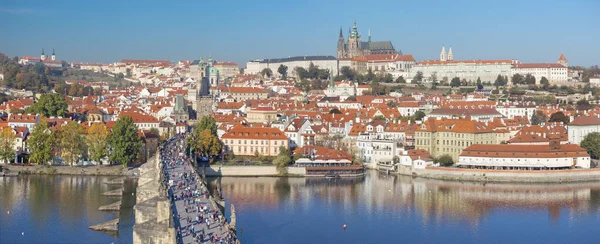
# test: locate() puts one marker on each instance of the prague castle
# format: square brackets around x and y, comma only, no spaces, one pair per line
[354,47]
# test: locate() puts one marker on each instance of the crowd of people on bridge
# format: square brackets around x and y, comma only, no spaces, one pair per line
[202,224]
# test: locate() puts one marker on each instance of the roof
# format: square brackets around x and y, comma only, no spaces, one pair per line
[384,45]
[523,151]
[298,58]
[562,57]
[243,132]
[539,65]
[585,120]
[384,58]
[473,61]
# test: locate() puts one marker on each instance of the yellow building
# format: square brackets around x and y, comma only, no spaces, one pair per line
[261,114]
[248,141]
[451,136]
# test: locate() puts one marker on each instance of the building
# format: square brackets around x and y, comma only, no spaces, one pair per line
[180,110]
[244,93]
[261,114]
[227,69]
[355,47]
[581,127]
[323,62]
[525,157]
[23,120]
[48,62]
[595,81]
[250,141]
[451,136]
[389,63]
[555,73]
[470,70]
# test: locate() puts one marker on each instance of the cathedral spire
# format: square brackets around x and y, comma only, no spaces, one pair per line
[341,32]
[443,54]
[369,34]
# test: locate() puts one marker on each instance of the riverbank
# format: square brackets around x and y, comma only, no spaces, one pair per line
[100,170]
[251,171]
[514,176]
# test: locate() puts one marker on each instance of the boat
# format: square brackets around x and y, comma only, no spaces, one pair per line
[332,175]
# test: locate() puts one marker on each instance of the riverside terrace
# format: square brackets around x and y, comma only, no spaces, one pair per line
[196,220]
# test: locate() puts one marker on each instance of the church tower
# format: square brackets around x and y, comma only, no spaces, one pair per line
[204,101]
[43,56]
[354,43]
[443,54]
[450,55]
[562,60]
[341,46]
[53,55]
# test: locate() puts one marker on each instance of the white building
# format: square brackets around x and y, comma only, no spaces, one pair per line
[512,110]
[524,157]
[595,81]
[553,72]
[324,62]
[581,127]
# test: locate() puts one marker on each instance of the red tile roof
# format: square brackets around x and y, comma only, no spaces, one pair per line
[585,120]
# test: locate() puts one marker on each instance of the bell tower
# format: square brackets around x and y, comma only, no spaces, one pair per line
[341,45]
[443,54]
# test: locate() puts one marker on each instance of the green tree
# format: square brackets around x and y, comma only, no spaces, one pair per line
[266,72]
[529,79]
[71,142]
[303,73]
[96,141]
[559,117]
[478,82]
[282,70]
[545,83]
[7,144]
[124,141]
[445,160]
[455,82]
[500,81]
[49,105]
[517,79]
[283,160]
[41,142]
[591,143]
[206,123]
[347,73]
[418,78]
[401,80]
[208,145]
[419,115]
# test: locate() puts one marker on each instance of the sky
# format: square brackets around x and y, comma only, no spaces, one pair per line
[239,31]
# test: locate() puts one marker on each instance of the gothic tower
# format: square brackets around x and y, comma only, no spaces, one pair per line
[443,54]
[53,55]
[341,46]
[450,55]
[43,56]
[354,43]
[563,60]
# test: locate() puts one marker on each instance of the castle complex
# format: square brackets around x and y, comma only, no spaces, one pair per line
[354,47]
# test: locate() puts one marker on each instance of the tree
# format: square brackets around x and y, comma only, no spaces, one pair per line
[401,80]
[283,71]
[7,144]
[418,78]
[41,142]
[49,105]
[500,81]
[303,73]
[266,72]
[283,159]
[419,115]
[529,79]
[455,82]
[479,83]
[445,160]
[591,143]
[434,78]
[128,72]
[124,141]
[71,142]
[208,145]
[559,117]
[347,73]
[545,83]
[583,105]
[335,111]
[96,141]
[206,123]
[517,79]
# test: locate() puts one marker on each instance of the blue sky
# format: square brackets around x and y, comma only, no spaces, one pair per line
[106,31]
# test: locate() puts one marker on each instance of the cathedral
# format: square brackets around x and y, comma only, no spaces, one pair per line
[354,47]
[207,77]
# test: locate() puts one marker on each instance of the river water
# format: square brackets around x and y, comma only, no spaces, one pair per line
[397,209]
[59,209]
[376,209]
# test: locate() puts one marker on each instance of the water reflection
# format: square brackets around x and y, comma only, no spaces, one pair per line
[58,209]
[433,200]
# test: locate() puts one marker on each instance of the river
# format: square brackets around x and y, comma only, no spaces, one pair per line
[59,209]
[398,209]
[376,209]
